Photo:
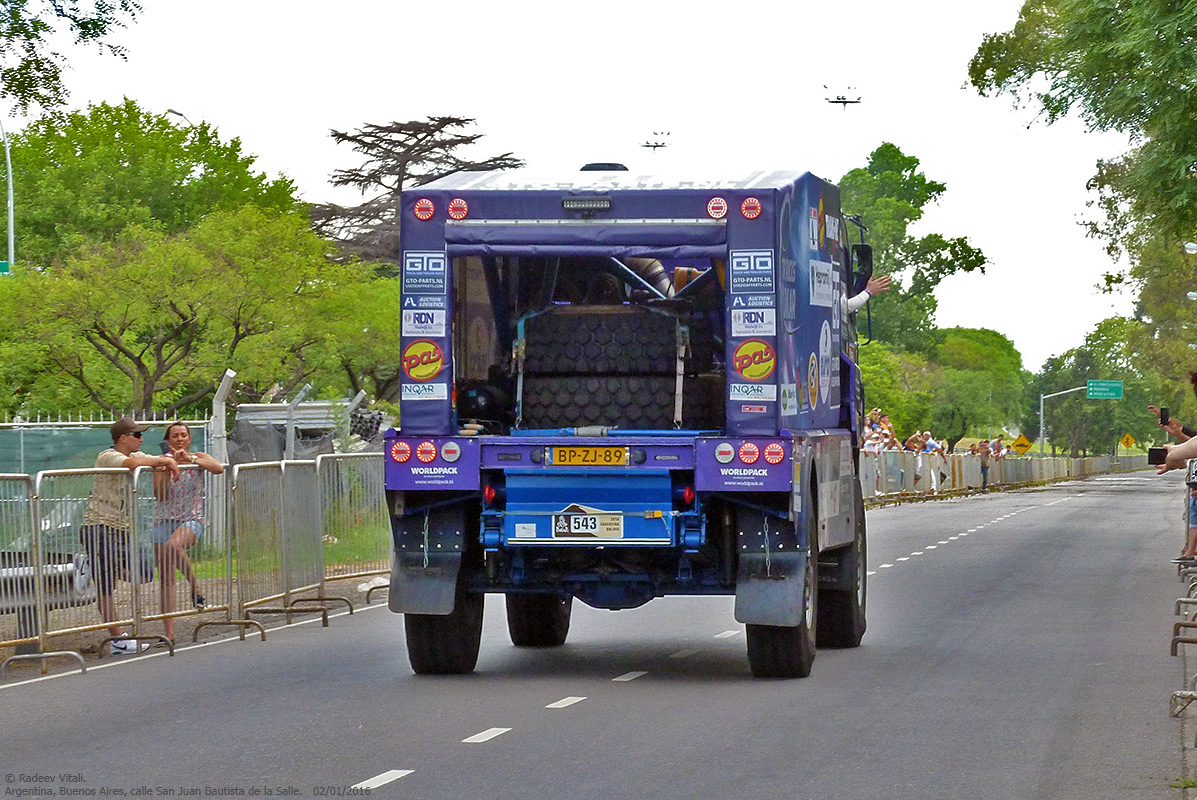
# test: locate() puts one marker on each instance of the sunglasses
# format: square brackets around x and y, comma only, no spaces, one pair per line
[136,434]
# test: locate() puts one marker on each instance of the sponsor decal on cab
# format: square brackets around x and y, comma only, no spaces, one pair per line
[753,391]
[423,360]
[754,360]
[812,380]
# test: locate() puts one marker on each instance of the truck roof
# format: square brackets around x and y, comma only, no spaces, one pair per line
[529,180]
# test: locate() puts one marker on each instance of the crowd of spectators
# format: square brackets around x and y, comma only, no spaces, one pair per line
[879,436]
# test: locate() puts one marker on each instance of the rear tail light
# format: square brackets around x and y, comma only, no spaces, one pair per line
[426,451]
[749,453]
[688,495]
[401,452]
[424,209]
[724,452]
[489,494]
[774,453]
[450,451]
[458,208]
[717,208]
[750,208]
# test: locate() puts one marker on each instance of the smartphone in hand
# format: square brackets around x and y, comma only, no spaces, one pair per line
[1157,455]
[1164,418]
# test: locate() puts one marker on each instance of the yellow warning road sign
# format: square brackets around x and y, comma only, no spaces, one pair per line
[1127,441]
[1022,444]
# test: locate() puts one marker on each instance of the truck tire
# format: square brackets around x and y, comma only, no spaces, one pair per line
[569,401]
[599,340]
[842,611]
[446,644]
[538,620]
[776,651]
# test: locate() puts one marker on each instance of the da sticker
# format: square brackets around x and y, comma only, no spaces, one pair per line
[423,360]
[754,360]
[812,380]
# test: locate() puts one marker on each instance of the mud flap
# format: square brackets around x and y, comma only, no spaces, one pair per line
[769,589]
[427,558]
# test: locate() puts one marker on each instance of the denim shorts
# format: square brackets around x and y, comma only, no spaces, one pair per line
[161,531]
[1192,511]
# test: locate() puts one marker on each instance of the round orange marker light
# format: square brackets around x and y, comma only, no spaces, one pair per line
[750,208]
[749,453]
[424,209]
[774,453]
[426,451]
[717,208]
[401,452]
[458,208]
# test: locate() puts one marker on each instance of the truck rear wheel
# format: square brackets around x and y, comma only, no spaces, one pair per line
[538,620]
[446,644]
[776,651]
[842,611]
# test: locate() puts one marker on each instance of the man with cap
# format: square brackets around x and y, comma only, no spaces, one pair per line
[108,519]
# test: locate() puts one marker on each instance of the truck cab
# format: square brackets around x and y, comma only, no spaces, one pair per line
[618,387]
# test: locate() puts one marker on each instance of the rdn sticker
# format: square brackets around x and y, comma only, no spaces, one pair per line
[423,360]
[754,360]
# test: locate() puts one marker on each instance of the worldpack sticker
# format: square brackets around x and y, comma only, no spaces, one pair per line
[751,271]
[754,360]
[429,323]
[423,360]
[754,322]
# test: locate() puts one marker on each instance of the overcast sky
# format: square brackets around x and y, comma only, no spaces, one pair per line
[738,86]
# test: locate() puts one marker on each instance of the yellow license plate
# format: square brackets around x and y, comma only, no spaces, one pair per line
[588,456]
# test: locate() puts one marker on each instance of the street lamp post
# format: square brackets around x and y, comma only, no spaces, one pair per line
[8,176]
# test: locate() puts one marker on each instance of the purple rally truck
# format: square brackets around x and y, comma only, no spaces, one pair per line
[618,387]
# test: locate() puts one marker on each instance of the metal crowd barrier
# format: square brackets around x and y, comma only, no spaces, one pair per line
[895,475]
[355,524]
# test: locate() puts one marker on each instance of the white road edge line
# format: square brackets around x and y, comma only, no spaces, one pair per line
[383,779]
[178,648]
[628,676]
[565,701]
[485,736]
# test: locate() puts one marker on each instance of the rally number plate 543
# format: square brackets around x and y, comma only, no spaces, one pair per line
[587,525]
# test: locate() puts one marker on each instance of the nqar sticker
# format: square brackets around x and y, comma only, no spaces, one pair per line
[423,360]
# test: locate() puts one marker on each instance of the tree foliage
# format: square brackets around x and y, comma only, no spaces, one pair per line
[85,176]
[30,70]
[982,383]
[1122,65]
[397,155]
[889,194]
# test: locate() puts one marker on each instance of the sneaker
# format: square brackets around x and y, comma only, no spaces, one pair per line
[1185,560]
[126,647]
[199,602]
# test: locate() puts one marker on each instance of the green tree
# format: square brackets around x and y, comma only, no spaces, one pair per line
[900,384]
[30,70]
[889,194]
[150,321]
[982,382]
[85,176]
[1122,65]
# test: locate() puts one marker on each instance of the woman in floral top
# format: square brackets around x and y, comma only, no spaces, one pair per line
[179,519]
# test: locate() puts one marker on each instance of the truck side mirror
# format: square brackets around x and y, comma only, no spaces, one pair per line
[862,255]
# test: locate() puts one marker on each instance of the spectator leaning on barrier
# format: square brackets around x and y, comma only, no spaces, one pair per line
[996,447]
[932,449]
[914,443]
[1183,433]
[179,519]
[984,453]
[108,520]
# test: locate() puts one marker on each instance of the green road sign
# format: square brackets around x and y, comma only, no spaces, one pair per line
[1103,390]
[3,267]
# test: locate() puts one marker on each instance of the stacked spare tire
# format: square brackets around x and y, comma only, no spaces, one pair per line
[617,366]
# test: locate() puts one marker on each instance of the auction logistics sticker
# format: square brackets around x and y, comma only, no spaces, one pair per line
[423,360]
[754,360]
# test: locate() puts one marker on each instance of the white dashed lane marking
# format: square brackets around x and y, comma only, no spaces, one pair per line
[383,779]
[486,735]
[683,653]
[565,701]
[628,676]
[726,634]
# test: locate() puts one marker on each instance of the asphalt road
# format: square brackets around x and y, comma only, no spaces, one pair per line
[1017,648]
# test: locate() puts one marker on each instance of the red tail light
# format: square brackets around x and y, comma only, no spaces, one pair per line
[774,453]
[489,494]
[749,453]
[458,208]
[424,209]
[750,208]
[401,452]
[688,495]
[426,451]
